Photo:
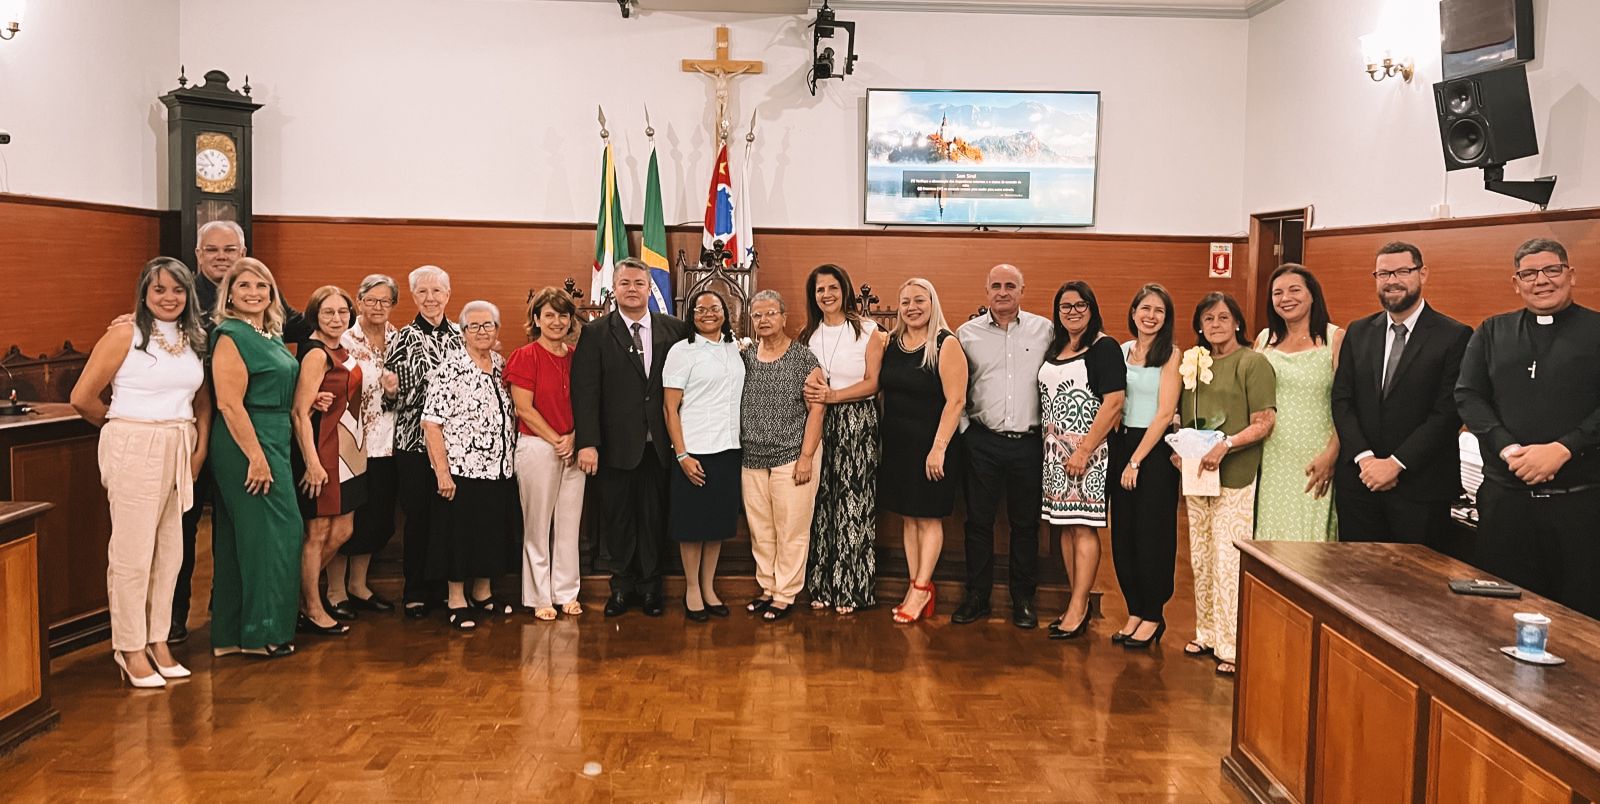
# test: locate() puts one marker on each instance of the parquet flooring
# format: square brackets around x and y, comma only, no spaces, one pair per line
[818,708]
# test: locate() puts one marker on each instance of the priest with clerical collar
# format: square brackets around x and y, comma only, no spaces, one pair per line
[1530,391]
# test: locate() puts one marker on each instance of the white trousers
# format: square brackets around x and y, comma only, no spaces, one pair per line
[779,515]
[145,469]
[552,506]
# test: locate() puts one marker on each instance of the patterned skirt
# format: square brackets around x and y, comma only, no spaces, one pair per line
[842,565]
[1072,500]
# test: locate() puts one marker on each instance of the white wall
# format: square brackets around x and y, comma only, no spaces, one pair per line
[1320,132]
[486,108]
[78,89]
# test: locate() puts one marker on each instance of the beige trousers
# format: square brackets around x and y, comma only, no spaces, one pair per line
[552,504]
[779,515]
[145,467]
[1215,523]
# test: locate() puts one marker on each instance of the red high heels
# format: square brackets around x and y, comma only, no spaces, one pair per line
[902,617]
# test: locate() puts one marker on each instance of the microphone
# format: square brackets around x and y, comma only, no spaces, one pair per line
[12,406]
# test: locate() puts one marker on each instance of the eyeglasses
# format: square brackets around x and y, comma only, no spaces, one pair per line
[481,326]
[762,316]
[707,310]
[1073,307]
[382,304]
[1528,275]
[1398,273]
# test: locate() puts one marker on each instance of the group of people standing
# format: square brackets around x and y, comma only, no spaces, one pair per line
[682,427]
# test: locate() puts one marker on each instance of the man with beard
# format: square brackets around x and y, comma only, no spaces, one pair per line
[1530,391]
[1394,409]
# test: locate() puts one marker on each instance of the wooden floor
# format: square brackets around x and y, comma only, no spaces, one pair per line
[818,708]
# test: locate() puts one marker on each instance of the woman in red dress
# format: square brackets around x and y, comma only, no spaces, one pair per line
[333,483]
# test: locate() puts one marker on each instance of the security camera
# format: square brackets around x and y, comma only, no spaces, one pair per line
[5,137]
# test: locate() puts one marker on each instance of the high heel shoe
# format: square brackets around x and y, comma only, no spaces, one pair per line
[1057,632]
[170,671]
[1138,644]
[151,681]
[903,617]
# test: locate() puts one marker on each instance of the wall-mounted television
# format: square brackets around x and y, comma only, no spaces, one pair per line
[1480,35]
[975,158]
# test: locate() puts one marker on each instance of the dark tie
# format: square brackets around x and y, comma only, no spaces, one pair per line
[638,344]
[1389,367]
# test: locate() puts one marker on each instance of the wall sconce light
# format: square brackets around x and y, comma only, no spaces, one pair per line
[1381,62]
[11,17]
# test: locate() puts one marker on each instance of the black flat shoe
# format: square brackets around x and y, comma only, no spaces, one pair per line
[695,615]
[416,611]
[1140,644]
[270,651]
[1057,632]
[1199,650]
[177,634]
[758,605]
[491,606]
[719,610]
[375,603]
[305,625]
[775,612]
[1022,615]
[616,605]
[462,619]
[339,611]
[651,605]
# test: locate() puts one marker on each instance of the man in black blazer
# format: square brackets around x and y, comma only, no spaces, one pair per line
[1394,409]
[621,434]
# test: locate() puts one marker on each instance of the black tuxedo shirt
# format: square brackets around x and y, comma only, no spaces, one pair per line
[1416,421]
[614,402]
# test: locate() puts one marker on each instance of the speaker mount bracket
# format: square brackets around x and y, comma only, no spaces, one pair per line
[1537,191]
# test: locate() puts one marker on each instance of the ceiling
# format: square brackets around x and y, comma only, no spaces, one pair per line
[1139,8]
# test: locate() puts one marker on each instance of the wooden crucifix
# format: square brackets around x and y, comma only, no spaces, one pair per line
[722,70]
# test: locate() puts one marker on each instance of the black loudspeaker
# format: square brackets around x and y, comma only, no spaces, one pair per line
[1485,119]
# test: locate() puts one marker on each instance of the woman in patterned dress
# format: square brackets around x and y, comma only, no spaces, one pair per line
[1293,502]
[849,346]
[1081,388]
[332,465]
[470,425]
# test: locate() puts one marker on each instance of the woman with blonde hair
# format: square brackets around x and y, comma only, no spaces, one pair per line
[255,546]
[152,443]
[924,384]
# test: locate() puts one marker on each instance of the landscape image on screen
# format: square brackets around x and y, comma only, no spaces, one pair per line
[964,158]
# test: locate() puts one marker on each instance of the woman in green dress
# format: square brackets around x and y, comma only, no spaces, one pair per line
[255,545]
[1294,502]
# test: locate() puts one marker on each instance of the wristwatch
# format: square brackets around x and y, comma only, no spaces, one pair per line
[1134,465]
[1227,441]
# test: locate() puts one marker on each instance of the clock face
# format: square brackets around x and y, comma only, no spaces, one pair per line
[216,162]
[212,164]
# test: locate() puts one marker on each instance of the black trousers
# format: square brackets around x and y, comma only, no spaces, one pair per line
[1144,524]
[1384,516]
[191,525]
[635,505]
[418,488]
[1003,468]
[1549,545]
[374,520]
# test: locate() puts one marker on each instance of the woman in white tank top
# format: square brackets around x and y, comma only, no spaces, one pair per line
[152,442]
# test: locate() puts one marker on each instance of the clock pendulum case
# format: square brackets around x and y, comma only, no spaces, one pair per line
[208,160]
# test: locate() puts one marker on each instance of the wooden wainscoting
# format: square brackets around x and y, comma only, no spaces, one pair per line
[1273,713]
[1469,260]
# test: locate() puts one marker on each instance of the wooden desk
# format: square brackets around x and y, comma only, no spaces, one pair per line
[53,455]
[25,707]
[1362,678]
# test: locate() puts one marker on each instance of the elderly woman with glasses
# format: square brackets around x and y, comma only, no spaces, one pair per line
[471,429]
[368,343]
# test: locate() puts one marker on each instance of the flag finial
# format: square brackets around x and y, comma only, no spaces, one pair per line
[750,136]
[649,130]
[604,134]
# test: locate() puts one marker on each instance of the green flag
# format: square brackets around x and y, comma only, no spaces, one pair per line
[610,236]
[654,242]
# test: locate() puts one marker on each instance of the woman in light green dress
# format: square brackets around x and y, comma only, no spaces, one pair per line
[255,545]
[1294,501]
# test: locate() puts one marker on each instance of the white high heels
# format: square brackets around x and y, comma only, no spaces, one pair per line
[171,671]
[151,681]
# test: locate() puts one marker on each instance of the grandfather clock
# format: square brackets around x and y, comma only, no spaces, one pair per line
[208,159]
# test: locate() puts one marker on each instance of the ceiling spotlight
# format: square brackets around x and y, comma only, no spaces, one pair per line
[823,63]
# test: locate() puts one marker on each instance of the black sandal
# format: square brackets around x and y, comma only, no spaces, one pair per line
[758,605]
[1203,650]
[489,606]
[270,651]
[306,625]
[462,619]
[774,613]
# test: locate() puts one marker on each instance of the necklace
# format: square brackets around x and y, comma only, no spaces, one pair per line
[167,346]
[259,331]
[827,365]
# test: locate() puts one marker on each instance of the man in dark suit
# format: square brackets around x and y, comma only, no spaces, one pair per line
[621,433]
[1394,409]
